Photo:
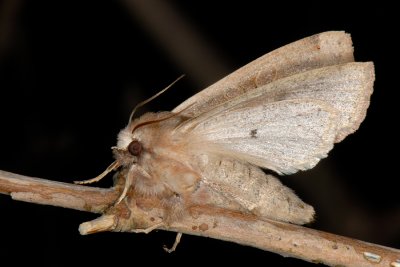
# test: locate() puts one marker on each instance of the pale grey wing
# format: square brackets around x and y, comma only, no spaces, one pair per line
[319,50]
[345,87]
[283,136]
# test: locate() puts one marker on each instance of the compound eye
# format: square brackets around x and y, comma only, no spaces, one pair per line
[135,148]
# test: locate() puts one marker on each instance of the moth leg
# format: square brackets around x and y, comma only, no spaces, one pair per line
[177,241]
[134,170]
[149,229]
[128,183]
[109,169]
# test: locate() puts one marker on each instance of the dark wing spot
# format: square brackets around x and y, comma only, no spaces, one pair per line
[253,133]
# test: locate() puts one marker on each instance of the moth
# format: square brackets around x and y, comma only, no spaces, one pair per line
[282,112]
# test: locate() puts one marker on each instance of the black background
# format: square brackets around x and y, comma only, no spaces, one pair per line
[71,71]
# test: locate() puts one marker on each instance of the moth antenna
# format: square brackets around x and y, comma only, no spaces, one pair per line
[162,119]
[109,169]
[154,96]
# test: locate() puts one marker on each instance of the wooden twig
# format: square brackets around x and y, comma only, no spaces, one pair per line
[53,193]
[137,214]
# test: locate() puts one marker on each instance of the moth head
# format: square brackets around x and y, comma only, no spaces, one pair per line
[130,140]
[134,138]
[139,136]
[130,145]
[129,148]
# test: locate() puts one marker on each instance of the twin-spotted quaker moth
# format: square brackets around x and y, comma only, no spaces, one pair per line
[282,112]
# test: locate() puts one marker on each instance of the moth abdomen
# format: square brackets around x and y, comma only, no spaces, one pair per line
[256,192]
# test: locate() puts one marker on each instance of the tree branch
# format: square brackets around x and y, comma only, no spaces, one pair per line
[138,214]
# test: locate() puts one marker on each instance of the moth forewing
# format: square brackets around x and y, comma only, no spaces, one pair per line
[316,51]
